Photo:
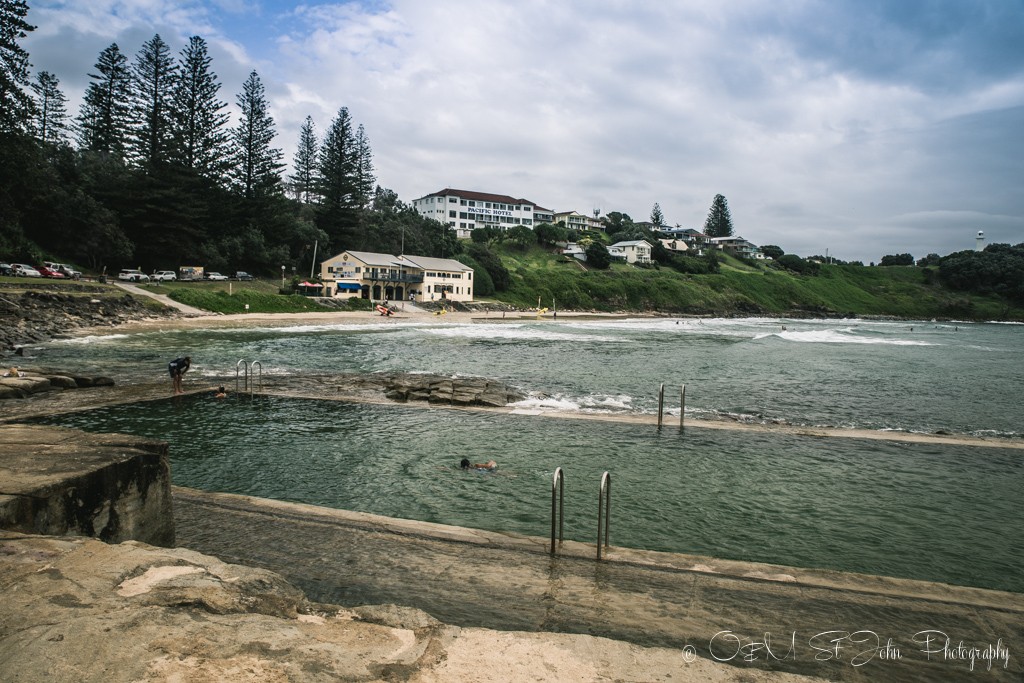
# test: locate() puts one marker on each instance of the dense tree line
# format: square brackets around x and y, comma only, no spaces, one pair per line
[149,174]
[998,269]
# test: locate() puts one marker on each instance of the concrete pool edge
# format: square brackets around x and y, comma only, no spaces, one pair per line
[869,584]
[43,405]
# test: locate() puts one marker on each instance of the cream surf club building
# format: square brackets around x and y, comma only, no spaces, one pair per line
[466,210]
[369,275]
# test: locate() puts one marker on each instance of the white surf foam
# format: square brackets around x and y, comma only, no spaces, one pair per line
[92,339]
[846,336]
[514,332]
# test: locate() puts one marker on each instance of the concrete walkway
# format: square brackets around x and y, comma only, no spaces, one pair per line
[190,311]
[843,627]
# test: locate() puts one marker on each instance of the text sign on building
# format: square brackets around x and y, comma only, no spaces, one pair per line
[490,212]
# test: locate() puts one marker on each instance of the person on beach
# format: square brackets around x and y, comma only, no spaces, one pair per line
[488,466]
[177,368]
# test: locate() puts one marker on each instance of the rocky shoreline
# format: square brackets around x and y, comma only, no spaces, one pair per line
[37,314]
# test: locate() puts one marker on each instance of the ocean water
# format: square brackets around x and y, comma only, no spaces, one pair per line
[912,376]
[943,513]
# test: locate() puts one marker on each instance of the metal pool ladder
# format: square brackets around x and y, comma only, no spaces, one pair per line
[249,375]
[604,511]
[604,504]
[557,490]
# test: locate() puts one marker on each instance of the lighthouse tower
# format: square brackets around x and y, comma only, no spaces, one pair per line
[979,241]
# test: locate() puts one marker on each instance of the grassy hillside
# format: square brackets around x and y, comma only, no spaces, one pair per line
[740,289]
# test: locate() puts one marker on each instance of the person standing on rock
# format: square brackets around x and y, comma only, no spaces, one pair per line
[177,368]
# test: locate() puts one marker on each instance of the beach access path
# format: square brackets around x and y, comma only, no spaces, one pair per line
[165,300]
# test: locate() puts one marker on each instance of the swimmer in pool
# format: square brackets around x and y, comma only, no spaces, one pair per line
[488,466]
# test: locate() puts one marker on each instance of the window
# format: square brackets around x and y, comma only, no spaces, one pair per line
[451,214]
[527,208]
[452,200]
[463,214]
[462,202]
[487,205]
[472,203]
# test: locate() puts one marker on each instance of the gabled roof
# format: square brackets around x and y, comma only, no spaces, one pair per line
[429,263]
[374,259]
[632,243]
[479,196]
[370,258]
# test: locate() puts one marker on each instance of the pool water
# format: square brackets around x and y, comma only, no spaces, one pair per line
[922,511]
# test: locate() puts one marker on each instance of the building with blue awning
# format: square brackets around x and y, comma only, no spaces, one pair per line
[379,277]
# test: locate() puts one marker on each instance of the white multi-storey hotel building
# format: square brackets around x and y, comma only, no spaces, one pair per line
[466,210]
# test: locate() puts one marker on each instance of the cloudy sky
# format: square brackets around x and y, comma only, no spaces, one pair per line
[860,127]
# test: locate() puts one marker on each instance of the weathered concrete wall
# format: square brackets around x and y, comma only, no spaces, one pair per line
[66,482]
[74,609]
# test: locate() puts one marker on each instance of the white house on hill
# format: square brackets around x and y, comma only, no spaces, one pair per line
[635,251]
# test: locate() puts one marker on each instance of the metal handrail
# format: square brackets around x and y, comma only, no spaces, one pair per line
[252,373]
[557,488]
[604,511]
[248,373]
[245,373]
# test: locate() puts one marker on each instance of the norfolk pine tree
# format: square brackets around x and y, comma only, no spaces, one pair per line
[719,222]
[103,119]
[364,180]
[51,119]
[257,166]
[338,213]
[306,175]
[198,125]
[339,164]
[15,104]
[657,217]
[154,74]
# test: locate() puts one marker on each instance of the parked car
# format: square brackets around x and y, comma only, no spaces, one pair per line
[132,275]
[242,275]
[214,275]
[5,269]
[67,270]
[164,276]
[50,272]
[25,270]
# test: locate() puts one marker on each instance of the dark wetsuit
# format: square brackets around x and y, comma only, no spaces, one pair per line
[177,366]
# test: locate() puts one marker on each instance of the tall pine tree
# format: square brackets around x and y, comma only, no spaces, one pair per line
[338,163]
[657,217]
[719,222]
[15,104]
[103,121]
[51,119]
[338,214]
[365,182]
[154,74]
[305,177]
[257,165]
[198,127]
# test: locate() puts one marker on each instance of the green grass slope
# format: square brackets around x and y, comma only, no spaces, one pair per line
[740,289]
